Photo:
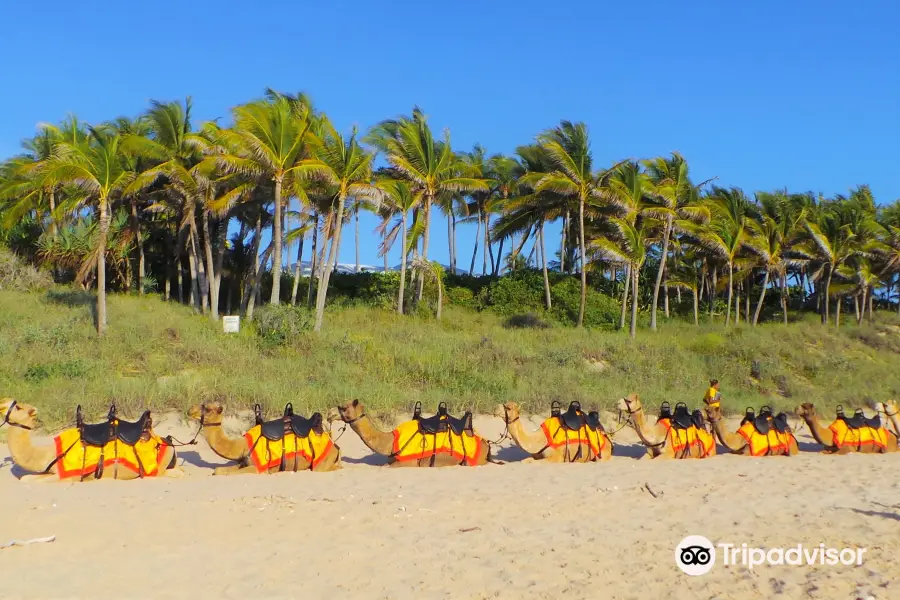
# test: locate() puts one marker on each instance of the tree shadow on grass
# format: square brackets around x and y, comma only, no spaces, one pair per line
[75,299]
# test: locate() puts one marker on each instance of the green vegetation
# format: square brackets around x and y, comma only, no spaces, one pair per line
[163,355]
[149,204]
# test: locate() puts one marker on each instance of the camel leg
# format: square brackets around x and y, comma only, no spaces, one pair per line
[332,463]
[39,478]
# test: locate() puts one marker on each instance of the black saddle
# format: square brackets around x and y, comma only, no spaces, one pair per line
[681,418]
[859,419]
[100,434]
[442,420]
[665,411]
[574,418]
[300,426]
[592,419]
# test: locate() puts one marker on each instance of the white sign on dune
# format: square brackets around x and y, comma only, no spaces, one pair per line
[231,324]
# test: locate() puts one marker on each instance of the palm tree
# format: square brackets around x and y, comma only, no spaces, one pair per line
[98,168]
[399,198]
[726,234]
[629,248]
[671,185]
[569,150]
[427,164]
[345,164]
[272,136]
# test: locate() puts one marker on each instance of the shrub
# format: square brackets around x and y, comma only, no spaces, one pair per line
[528,321]
[19,276]
[599,311]
[282,324]
[459,296]
[520,292]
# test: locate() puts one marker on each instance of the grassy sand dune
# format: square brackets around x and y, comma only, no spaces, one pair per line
[164,356]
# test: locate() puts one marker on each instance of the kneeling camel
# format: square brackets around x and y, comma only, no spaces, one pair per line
[752,443]
[840,438]
[663,439]
[552,442]
[49,463]
[241,449]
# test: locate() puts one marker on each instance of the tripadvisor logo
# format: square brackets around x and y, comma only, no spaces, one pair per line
[696,555]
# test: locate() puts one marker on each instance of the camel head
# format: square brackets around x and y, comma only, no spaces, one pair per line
[713,413]
[351,411]
[509,412]
[209,413]
[18,413]
[629,404]
[333,414]
[805,411]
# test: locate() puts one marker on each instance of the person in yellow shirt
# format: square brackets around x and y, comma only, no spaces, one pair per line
[713,397]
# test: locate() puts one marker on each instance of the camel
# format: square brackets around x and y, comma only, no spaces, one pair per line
[657,437]
[890,410]
[737,443]
[209,415]
[43,462]
[382,442]
[825,437]
[537,445]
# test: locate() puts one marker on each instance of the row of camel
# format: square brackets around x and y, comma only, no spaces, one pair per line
[316,451]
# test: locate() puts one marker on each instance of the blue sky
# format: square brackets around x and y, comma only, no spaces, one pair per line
[763,94]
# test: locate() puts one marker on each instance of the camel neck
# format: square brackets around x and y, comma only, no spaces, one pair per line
[381,442]
[221,444]
[640,427]
[528,442]
[817,431]
[25,454]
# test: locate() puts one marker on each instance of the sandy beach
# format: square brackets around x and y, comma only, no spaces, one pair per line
[520,530]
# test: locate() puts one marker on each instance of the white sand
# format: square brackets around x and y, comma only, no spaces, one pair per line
[521,530]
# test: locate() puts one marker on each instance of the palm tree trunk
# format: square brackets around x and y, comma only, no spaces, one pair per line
[222,235]
[499,256]
[356,219]
[543,251]
[193,260]
[332,261]
[404,251]
[730,293]
[210,269]
[314,263]
[625,296]
[453,240]
[665,292]
[784,297]
[484,251]
[837,313]
[297,270]
[737,306]
[277,241]
[475,250]
[762,296]
[429,200]
[101,268]
[634,299]
[696,307]
[856,308]
[487,242]
[450,235]
[583,250]
[659,273]
[562,245]
[257,281]
[254,276]
[872,305]
[139,243]
[712,291]
[828,296]
[747,302]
